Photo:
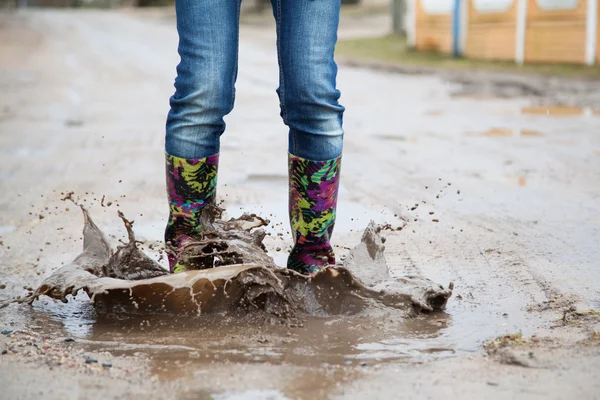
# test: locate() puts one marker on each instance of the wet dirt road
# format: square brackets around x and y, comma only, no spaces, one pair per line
[507,207]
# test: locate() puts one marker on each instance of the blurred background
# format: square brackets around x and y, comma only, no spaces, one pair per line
[256,5]
[519,31]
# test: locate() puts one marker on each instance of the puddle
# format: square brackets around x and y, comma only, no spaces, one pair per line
[73,123]
[393,138]
[559,111]
[332,318]
[393,348]
[179,345]
[187,345]
[343,341]
[504,132]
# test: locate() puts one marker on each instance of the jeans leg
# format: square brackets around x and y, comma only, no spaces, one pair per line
[205,84]
[306,38]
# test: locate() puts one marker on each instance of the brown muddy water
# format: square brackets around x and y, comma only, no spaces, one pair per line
[182,347]
[379,331]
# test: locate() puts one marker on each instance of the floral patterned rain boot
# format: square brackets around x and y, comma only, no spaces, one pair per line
[313,199]
[191,185]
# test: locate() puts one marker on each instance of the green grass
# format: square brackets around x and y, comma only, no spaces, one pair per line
[393,50]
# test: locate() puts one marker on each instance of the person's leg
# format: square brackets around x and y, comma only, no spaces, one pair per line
[204,94]
[306,38]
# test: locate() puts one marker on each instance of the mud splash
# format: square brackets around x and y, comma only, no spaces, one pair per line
[233,273]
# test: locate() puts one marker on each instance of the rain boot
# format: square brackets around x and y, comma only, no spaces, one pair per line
[191,185]
[313,198]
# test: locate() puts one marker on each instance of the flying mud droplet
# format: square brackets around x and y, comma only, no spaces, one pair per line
[246,279]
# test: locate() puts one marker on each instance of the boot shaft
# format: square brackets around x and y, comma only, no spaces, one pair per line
[313,197]
[191,185]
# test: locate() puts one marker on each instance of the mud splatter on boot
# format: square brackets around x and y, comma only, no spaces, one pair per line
[312,205]
[191,185]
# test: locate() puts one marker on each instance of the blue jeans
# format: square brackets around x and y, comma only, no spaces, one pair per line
[205,84]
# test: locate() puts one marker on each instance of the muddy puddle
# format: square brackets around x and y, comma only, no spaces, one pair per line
[559,111]
[504,132]
[377,336]
[178,346]
[355,314]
